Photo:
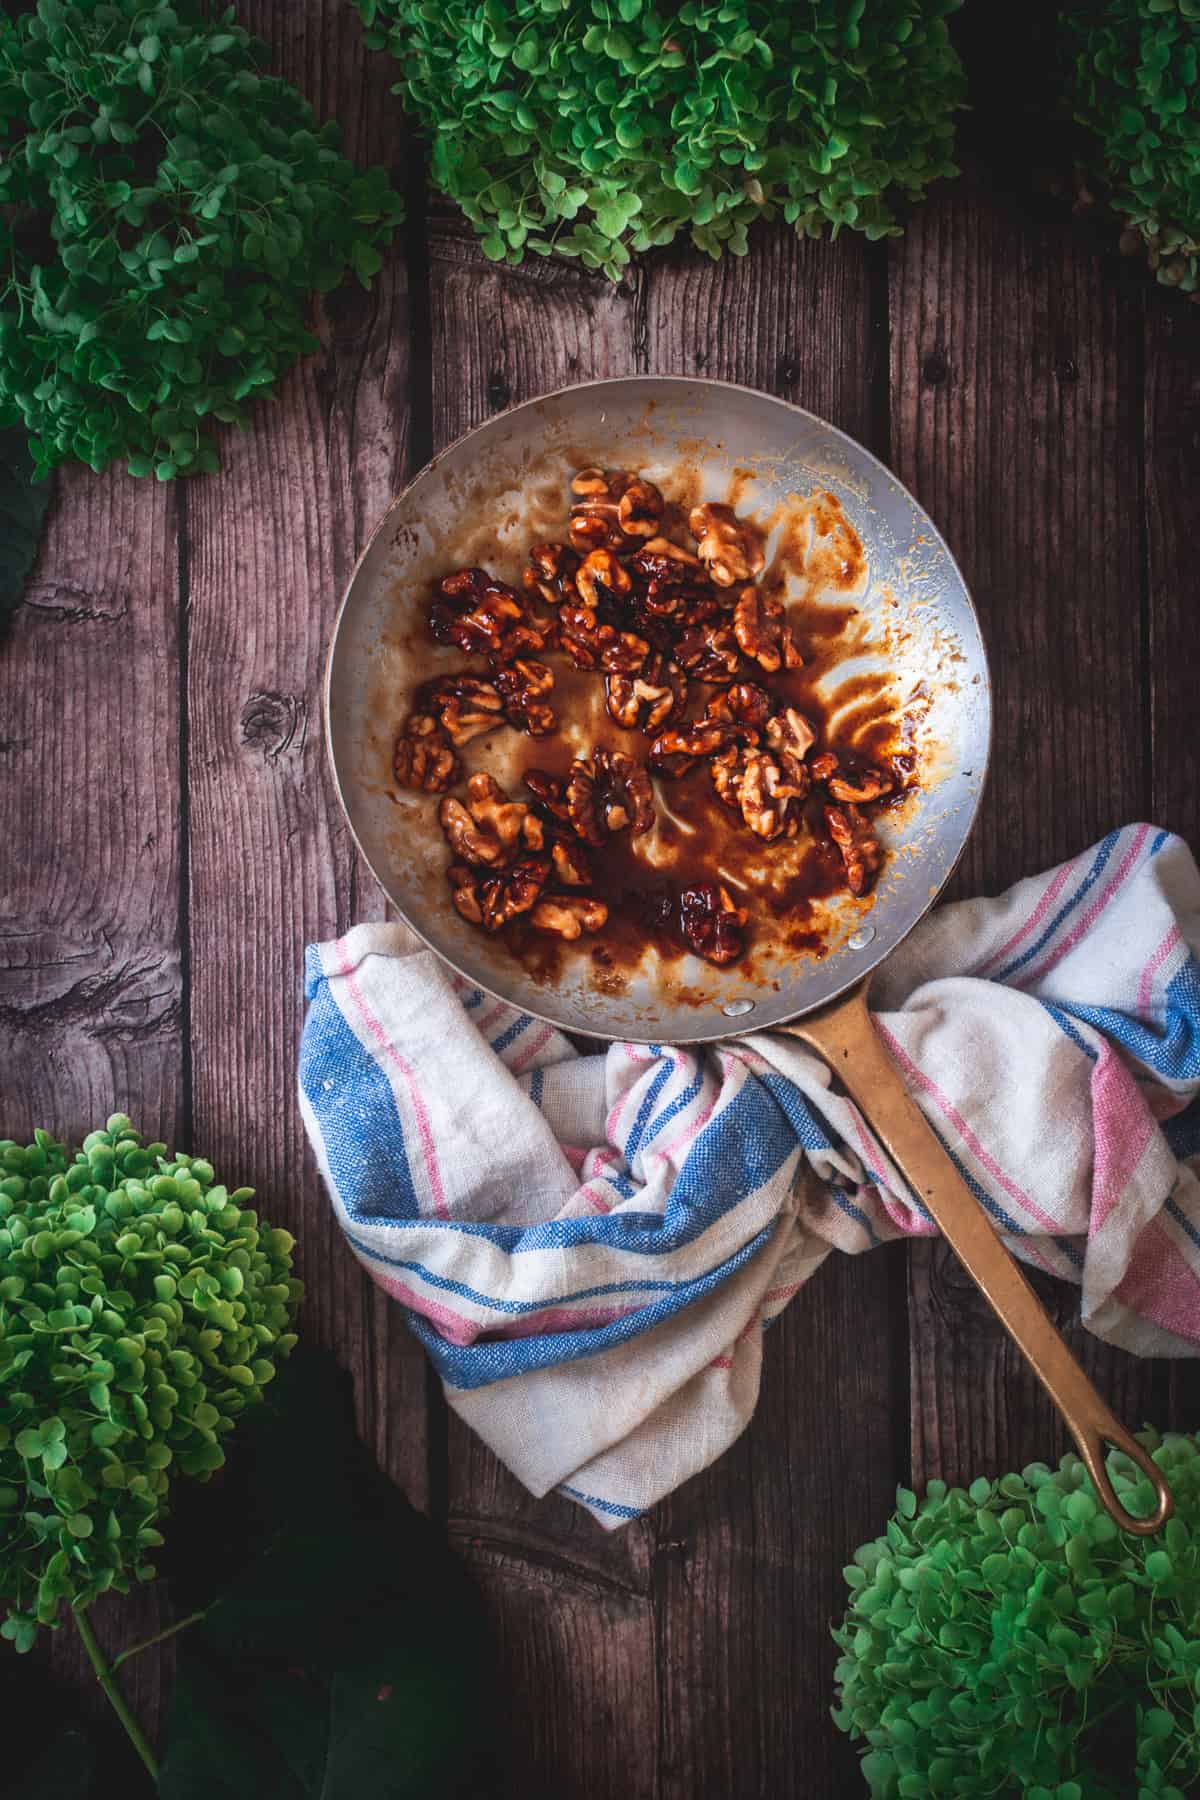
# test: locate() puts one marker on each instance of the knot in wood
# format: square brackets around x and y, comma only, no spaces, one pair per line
[274,723]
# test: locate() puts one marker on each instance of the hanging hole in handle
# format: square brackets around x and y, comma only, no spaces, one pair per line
[1094,1460]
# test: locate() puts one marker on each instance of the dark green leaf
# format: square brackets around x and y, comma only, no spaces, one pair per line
[321,1686]
[23,504]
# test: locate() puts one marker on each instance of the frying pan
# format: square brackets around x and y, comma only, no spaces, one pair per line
[482,501]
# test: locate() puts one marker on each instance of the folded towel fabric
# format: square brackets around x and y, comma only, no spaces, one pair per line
[590,1246]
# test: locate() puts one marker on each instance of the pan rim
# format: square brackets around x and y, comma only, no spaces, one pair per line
[872,959]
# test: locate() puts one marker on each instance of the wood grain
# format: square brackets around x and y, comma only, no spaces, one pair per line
[749,1553]
[91,1001]
[268,549]
[1015,403]
[803,320]
[1015,411]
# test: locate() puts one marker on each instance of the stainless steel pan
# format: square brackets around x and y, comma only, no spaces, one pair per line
[482,500]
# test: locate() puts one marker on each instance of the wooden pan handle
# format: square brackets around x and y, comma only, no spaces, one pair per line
[844,1035]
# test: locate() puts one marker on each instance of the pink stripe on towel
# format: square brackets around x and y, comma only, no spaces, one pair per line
[1146,984]
[1092,914]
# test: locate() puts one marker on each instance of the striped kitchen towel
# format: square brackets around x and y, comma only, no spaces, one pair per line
[591,1246]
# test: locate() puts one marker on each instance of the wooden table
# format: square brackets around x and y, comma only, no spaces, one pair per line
[172,842]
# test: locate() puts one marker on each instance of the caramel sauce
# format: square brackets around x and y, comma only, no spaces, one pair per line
[786,885]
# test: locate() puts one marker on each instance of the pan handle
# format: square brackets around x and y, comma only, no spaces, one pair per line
[845,1037]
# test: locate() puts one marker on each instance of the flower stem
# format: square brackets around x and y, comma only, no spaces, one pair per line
[160,1637]
[104,1676]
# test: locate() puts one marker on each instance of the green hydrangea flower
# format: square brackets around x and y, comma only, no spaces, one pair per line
[1137,88]
[166,210]
[143,1307]
[1010,1640]
[598,128]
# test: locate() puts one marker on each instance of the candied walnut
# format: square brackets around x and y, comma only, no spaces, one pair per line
[662,571]
[609,793]
[639,509]
[709,653]
[477,612]
[766,794]
[700,605]
[594,529]
[423,757]
[744,704]
[550,571]
[550,792]
[860,785]
[860,848]
[855,783]
[601,577]
[662,559]
[650,700]
[490,828]
[571,865]
[465,706]
[760,623]
[595,522]
[465,892]
[727,770]
[594,642]
[731,548]
[600,484]
[569,915]
[660,602]
[790,733]
[503,897]
[523,686]
[674,752]
[712,925]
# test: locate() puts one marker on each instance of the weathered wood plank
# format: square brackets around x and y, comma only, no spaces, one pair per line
[1015,413]
[90,983]
[748,1558]
[269,546]
[794,317]
[502,335]
[1015,409]
[575,1655]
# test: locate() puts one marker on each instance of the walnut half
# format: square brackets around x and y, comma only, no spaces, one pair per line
[766,795]
[609,793]
[712,924]
[464,706]
[648,700]
[490,828]
[760,624]
[673,752]
[569,915]
[523,686]
[550,571]
[855,785]
[478,612]
[860,849]
[423,757]
[732,548]
[789,732]
[493,900]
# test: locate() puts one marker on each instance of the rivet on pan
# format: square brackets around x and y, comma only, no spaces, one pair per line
[736,1008]
[859,939]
